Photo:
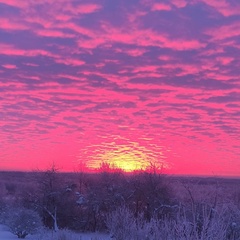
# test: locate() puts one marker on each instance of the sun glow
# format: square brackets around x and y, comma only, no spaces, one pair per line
[127,158]
[127,162]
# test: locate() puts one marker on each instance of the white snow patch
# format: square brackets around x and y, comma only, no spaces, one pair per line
[6,235]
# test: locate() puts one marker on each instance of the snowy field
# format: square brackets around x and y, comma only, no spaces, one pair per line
[6,235]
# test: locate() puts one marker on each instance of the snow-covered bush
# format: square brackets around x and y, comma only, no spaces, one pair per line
[206,224]
[121,224]
[22,222]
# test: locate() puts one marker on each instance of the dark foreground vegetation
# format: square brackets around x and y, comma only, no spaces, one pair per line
[140,206]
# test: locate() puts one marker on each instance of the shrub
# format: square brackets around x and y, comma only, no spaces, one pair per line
[124,226]
[121,224]
[22,222]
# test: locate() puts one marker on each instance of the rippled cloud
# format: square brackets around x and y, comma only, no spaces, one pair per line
[142,81]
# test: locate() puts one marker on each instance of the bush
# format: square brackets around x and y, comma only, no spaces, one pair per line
[121,224]
[22,222]
[124,226]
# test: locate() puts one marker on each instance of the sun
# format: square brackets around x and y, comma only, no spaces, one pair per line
[128,162]
[114,153]
[125,158]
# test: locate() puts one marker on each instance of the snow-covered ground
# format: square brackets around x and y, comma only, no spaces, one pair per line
[6,235]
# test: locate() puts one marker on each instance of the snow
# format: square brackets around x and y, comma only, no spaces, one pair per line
[6,235]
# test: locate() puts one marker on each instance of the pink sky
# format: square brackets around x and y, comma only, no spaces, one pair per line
[124,82]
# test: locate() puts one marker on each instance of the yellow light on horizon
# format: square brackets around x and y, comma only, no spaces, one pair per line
[126,158]
[126,162]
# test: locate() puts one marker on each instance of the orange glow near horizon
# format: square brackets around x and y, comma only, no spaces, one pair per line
[128,162]
[126,158]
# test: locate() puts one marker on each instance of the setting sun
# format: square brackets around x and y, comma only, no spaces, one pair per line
[128,158]
[128,162]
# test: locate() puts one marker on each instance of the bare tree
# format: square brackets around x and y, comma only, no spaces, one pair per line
[49,195]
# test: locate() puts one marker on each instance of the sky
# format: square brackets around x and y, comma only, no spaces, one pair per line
[133,84]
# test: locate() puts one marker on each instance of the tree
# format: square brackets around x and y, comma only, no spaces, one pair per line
[149,195]
[56,199]
[50,191]
[22,222]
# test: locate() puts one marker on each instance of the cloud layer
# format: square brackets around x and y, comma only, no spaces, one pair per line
[83,80]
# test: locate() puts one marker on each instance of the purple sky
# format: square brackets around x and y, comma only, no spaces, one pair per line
[124,82]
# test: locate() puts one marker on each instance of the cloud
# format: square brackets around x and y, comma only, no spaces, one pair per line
[179,3]
[225,32]
[224,7]
[231,97]
[69,61]
[142,38]
[86,8]
[160,7]
[7,49]
[53,33]
[15,3]
[10,25]
[9,66]
[134,52]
